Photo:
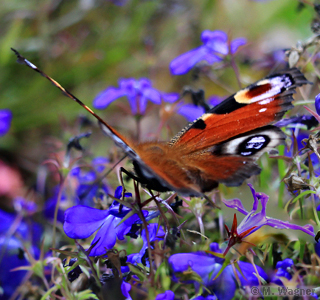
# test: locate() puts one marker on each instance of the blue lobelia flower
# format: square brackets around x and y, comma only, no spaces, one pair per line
[283,268]
[317,248]
[317,104]
[12,256]
[82,221]
[5,121]
[138,92]
[89,187]
[208,266]
[14,231]
[298,121]
[167,295]
[215,47]
[192,112]
[254,220]
[89,184]
[125,289]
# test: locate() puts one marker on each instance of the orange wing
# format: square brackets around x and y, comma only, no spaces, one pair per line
[258,105]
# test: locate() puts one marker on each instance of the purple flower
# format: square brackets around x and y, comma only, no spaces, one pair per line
[5,121]
[12,256]
[167,295]
[22,205]
[208,297]
[14,232]
[207,267]
[25,228]
[317,104]
[125,288]
[192,112]
[75,273]
[283,268]
[256,220]
[155,234]
[215,46]
[293,122]
[138,92]
[82,221]
[317,248]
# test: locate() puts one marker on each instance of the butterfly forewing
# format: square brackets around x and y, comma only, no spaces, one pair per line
[262,103]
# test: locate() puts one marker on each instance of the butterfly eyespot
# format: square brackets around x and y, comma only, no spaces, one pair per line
[253,144]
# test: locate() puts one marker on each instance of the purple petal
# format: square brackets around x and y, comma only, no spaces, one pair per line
[183,261]
[99,163]
[317,248]
[190,111]
[75,171]
[235,204]
[118,192]
[154,233]
[216,40]
[129,86]
[167,295]
[11,258]
[301,121]
[252,220]
[87,176]
[133,104]
[209,297]
[5,121]
[184,63]
[284,264]
[249,277]
[107,96]
[106,236]
[143,83]
[255,198]
[170,97]
[278,224]
[214,100]
[125,288]
[125,226]
[142,104]
[82,221]
[153,95]
[157,233]
[317,104]
[211,58]
[206,267]
[236,43]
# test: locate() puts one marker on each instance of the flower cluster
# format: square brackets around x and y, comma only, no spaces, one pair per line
[141,244]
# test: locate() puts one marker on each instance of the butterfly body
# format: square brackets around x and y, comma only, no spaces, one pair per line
[221,146]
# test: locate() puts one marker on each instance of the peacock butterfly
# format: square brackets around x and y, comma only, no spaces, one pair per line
[219,147]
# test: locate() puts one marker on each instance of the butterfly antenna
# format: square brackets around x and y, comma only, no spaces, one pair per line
[24,61]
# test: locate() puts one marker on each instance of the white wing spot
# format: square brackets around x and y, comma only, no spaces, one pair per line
[30,64]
